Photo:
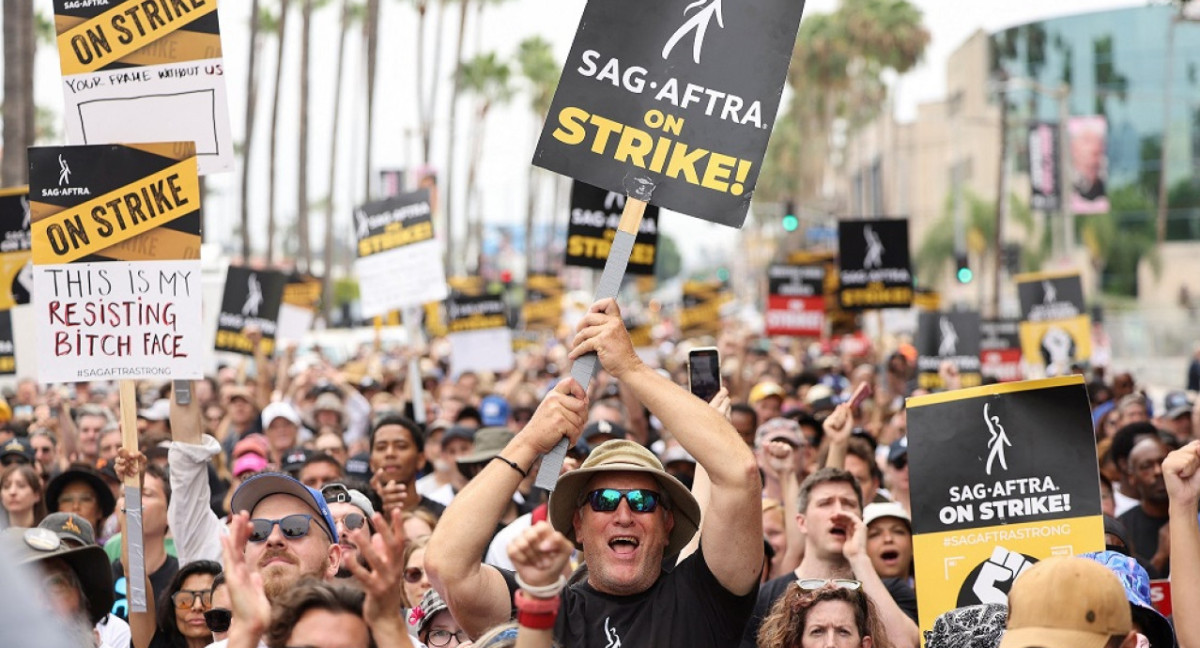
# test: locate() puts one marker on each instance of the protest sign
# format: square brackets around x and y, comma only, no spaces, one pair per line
[543,308]
[592,227]
[301,299]
[1089,163]
[874,264]
[138,71]
[480,339]
[1000,349]
[1000,477]
[116,261]
[252,298]
[1043,166]
[672,102]
[840,321]
[948,337]
[795,300]
[1057,332]
[399,261]
[1160,595]
[700,312]
[16,268]
[8,350]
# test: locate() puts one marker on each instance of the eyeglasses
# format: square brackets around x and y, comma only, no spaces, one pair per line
[413,575]
[606,500]
[293,527]
[218,619]
[439,638]
[811,584]
[185,599]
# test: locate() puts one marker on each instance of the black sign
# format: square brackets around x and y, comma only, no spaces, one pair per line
[252,297]
[701,311]
[1046,296]
[472,313]
[1003,454]
[8,358]
[595,214]
[1000,349]
[796,280]
[874,264]
[386,224]
[672,101]
[1043,166]
[952,337]
[15,265]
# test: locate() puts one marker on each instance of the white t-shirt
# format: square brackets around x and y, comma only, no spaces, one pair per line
[114,632]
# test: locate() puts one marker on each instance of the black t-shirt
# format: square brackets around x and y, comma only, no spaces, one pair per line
[686,606]
[1143,533]
[904,596]
[160,580]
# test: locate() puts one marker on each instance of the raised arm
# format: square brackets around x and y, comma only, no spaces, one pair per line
[1181,471]
[195,527]
[902,632]
[731,532]
[141,624]
[476,593]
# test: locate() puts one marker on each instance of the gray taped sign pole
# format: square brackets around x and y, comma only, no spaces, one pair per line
[415,385]
[135,571]
[610,282]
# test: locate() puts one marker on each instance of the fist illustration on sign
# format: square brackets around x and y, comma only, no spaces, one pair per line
[992,580]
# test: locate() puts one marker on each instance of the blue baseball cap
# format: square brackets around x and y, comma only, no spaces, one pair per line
[493,411]
[263,485]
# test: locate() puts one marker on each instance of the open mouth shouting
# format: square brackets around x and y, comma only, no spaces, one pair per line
[624,545]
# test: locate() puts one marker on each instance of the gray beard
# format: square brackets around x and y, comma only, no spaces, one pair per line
[79,632]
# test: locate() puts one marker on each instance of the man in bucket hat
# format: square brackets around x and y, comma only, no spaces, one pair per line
[630,518]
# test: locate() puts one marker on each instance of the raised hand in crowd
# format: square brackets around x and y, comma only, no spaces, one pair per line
[248,598]
[391,492]
[838,428]
[382,579]
[540,555]
[141,624]
[1181,472]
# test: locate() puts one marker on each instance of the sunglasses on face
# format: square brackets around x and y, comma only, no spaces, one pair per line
[218,619]
[901,462]
[293,527]
[811,584]
[606,500]
[354,521]
[185,599]
[413,575]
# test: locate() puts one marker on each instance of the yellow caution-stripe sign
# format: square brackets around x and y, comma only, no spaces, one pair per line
[118,215]
[124,29]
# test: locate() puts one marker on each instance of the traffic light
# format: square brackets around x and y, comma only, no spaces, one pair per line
[790,222]
[963,271]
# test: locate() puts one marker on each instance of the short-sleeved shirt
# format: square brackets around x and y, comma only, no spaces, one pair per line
[160,581]
[686,606]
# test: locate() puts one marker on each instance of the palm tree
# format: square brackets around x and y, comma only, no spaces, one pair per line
[348,12]
[305,250]
[251,109]
[456,87]
[20,48]
[280,28]
[535,57]
[488,78]
[371,39]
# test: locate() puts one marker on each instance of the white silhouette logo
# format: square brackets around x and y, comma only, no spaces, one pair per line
[362,227]
[614,198]
[1049,292]
[64,171]
[874,256]
[698,22]
[998,440]
[949,344]
[610,635]
[254,298]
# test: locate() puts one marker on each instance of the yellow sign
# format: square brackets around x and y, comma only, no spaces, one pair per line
[1057,343]
[125,29]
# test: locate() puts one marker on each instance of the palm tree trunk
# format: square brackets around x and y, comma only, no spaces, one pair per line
[371,32]
[19,49]
[464,5]
[327,251]
[248,141]
[422,106]
[305,252]
[474,242]
[435,74]
[281,39]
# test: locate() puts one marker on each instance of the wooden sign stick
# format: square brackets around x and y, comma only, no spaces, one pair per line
[412,315]
[610,282]
[135,571]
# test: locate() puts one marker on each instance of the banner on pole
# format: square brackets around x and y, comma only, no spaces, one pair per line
[399,261]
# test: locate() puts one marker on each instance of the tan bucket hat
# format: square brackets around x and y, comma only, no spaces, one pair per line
[619,455]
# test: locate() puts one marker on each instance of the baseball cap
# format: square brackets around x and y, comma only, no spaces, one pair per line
[255,443]
[458,432]
[71,527]
[1136,582]
[295,459]
[279,409]
[596,428]
[820,397]
[780,429]
[359,466]
[493,411]
[898,449]
[17,447]
[328,401]
[159,410]
[1177,404]
[261,486]
[1066,602]
[339,492]
[765,389]
[249,462]
[676,453]
[879,510]
[422,615]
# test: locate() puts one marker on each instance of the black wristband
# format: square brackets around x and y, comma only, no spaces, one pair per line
[514,465]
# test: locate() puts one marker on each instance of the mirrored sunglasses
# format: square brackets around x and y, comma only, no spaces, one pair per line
[606,500]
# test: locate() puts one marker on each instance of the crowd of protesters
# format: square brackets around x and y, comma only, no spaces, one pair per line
[289,502]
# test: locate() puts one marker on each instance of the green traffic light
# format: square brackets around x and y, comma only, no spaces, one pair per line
[723,274]
[790,223]
[965,275]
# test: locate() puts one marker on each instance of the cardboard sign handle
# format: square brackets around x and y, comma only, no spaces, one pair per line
[136,569]
[584,367]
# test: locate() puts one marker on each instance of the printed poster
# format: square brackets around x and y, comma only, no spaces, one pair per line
[145,71]
[399,261]
[874,264]
[948,337]
[595,214]
[673,101]
[252,298]
[8,357]
[301,300]
[116,261]
[1043,166]
[16,265]
[1088,136]
[1000,350]
[1057,331]
[795,300]
[1001,476]
[480,339]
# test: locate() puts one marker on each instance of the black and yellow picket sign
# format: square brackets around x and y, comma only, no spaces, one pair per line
[592,227]
[8,358]
[16,282]
[1056,331]
[700,312]
[303,291]
[840,321]
[134,202]
[543,307]
[252,297]
[948,337]
[1000,477]
[473,313]
[874,265]
[94,35]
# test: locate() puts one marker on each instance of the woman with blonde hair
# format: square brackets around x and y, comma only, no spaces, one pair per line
[822,613]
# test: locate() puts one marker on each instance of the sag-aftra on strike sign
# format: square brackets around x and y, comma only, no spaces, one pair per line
[672,101]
